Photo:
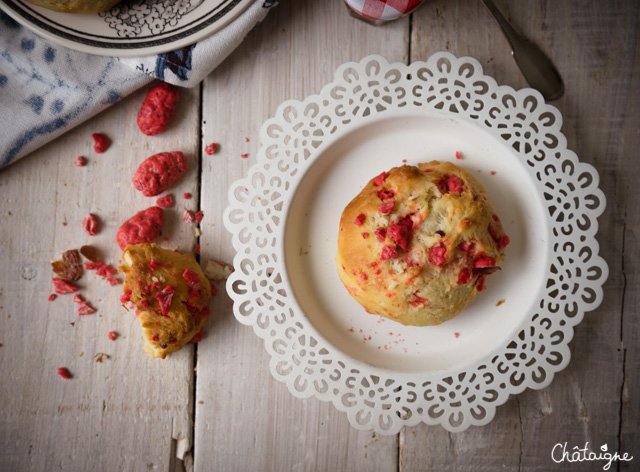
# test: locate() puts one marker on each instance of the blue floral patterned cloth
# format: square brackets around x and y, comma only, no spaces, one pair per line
[46,89]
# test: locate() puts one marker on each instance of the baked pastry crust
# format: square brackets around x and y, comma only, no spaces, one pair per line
[170,293]
[76,6]
[417,243]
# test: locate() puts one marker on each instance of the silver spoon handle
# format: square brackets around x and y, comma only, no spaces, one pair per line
[536,67]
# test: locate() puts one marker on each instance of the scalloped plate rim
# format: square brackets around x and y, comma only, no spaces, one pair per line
[261,160]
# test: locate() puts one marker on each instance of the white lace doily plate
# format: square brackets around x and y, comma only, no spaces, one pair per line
[131,28]
[315,157]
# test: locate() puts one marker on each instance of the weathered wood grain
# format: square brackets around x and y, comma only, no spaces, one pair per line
[248,421]
[133,413]
[595,48]
[129,412]
[597,43]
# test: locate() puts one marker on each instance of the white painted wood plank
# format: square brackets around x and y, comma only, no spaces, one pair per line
[130,411]
[594,400]
[245,420]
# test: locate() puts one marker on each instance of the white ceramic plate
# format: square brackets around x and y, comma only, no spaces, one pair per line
[131,28]
[315,157]
[339,173]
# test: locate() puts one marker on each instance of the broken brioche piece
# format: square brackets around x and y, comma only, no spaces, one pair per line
[170,293]
[76,6]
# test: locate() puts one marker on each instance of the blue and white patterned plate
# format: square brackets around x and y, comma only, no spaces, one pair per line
[131,28]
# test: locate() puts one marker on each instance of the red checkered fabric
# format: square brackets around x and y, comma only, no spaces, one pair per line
[383,9]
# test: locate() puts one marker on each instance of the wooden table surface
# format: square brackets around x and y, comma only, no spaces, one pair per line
[215,406]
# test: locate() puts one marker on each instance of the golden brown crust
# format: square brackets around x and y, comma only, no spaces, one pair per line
[76,6]
[417,243]
[170,293]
